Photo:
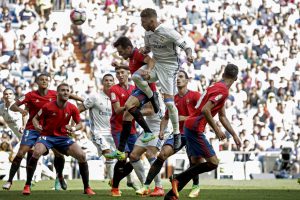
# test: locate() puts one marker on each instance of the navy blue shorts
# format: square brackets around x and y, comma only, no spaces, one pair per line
[170,141]
[60,143]
[30,137]
[129,144]
[197,144]
[141,96]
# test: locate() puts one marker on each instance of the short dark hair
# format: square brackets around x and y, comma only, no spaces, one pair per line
[231,71]
[62,84]
[42,74]
[106,75]
[185,74]
[123,41]
[9,89]
[148,13]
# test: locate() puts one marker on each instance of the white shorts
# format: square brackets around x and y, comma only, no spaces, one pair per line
[166,75]
[103,142]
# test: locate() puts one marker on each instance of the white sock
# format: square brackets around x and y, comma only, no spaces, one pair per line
[139,170]
[157,178]
[173,114]
[110,168]
[142,84]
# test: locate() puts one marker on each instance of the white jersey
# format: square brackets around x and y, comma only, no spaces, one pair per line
[164,43]
[13,119]
[100,111]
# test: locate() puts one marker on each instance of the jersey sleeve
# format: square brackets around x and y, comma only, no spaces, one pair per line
[139,57]
[42,112]
[217,95]
[177,38]
[75,114]
[89,102]
[23,99]
[113,95]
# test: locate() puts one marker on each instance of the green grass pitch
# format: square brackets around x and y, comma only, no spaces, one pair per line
[210,190]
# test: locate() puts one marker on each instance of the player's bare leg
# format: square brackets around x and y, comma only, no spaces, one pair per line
[76,152]
[15,165]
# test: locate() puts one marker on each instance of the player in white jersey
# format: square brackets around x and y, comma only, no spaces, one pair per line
[163,42]
[13,119]
[99,107]
[152,147]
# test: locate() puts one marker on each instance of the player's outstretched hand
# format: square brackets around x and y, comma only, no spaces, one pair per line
[145,74]
[143,50]
[220,135]
[114,64]
[38,128]
[70,129]
[237,141]
[161,135]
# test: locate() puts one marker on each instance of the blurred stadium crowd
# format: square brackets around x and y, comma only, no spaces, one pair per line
[262,37]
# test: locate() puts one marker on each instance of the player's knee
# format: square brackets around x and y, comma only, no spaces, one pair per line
[136,77]
[134,156]
[37,154]
[129,105]
[170,105]
[81,157]
[214,161]
[163,156]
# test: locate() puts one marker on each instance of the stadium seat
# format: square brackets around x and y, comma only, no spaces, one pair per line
[226,166]
[252,167]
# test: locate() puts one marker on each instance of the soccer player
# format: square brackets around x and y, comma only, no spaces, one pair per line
[211,102]
[99,107]
[162,41]
[13,119]
[137,99]
[151,148]
[185,102]
[34,101]
[119,94]
[52,122]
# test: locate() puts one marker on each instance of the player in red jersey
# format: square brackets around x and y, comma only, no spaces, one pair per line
[119,94]
[138,98]
[34,101]
[52,122]
[185,102]
[212,102]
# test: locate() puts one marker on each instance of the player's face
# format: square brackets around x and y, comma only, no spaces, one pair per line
[146,23]
[122,75]
[43,82]
[181,80]
[8,96]
[63,93]
[124,53]
[108,81]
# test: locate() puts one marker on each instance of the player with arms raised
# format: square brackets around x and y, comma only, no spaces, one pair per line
[162,41]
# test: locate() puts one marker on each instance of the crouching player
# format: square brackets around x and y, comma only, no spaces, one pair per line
[52,123]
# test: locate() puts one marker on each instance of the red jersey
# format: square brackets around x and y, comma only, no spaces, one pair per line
[136,62]
[119,94]
[185,105]
[34,102]
[54,119]
[216,93]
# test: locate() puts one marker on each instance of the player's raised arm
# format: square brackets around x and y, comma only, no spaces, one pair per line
[225,122]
